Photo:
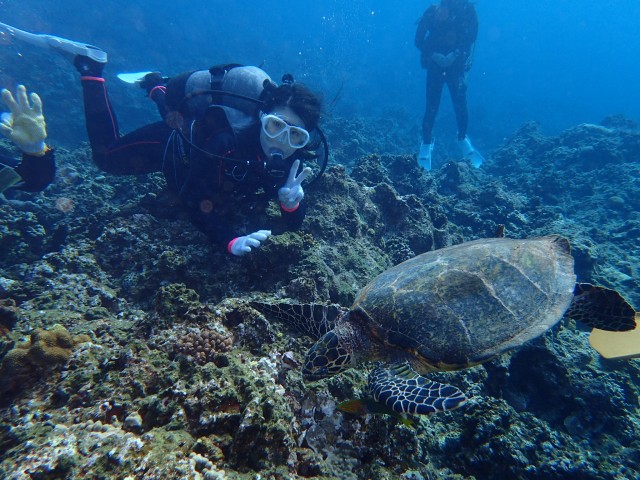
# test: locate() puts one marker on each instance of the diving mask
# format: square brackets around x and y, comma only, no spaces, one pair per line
[276,128]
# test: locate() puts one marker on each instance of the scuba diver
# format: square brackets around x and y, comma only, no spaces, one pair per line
[26,128]
[230,139]
[445,36]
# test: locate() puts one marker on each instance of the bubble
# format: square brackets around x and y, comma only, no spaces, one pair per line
[206,206]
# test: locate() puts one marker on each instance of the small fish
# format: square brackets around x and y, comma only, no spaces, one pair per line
[368,406]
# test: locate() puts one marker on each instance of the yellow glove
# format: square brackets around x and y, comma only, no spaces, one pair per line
[25,124]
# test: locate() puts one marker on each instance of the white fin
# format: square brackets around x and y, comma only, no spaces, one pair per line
[135,77]
[61,45]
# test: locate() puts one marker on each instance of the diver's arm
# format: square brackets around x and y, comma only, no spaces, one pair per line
[470,33]
[294,218]
[423,28]
[32,174]
[25,126]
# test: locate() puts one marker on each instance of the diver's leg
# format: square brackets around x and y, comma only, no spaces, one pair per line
[457,85]
[435,83]
[101,122]
[140,151]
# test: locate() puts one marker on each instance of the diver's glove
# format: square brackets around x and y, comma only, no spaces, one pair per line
[25,125]
[242,245]
[291,193]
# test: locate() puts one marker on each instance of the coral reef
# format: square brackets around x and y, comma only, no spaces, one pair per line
[185,379]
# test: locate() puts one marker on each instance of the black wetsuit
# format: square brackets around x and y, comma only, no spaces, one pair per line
[217,189]
[443,30]
[36,172]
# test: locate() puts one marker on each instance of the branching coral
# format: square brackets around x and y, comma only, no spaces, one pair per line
[205,345]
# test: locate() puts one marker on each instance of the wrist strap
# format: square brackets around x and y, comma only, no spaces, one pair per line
[289,209]
[230,244]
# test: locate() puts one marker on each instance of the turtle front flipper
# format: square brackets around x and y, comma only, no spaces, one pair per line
[403,390]
[601,308]
[313,319]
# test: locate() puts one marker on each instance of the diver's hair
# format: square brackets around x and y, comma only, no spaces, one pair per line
[305,103]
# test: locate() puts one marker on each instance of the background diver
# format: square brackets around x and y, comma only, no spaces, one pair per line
[445,36]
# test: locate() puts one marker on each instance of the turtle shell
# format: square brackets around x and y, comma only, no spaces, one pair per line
[462,305]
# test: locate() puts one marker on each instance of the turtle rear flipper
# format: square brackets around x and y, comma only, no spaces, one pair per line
[403,390]
[601,308]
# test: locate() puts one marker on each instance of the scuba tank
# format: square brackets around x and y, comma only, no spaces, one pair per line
[234,88]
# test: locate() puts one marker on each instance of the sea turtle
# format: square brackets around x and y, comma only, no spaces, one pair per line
[457,307]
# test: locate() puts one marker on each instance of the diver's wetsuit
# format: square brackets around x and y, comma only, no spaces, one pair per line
[446,31]
[215,190]
[36,172]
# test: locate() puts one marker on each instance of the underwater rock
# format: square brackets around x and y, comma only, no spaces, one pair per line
[174,301]
[8,316]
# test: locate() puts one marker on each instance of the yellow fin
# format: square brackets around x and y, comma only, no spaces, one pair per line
[616,345]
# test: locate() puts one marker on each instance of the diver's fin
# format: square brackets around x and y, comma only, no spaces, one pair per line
[133,78]
[616,345]
[8,178]
[64,46]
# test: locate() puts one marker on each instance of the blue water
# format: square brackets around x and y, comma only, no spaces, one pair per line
[561,62]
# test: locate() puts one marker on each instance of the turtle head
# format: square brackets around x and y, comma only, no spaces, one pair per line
[335,352]
[338,349]
[329,356]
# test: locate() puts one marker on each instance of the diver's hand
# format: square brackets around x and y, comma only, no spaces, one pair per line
[242,245]
[444,61]
[25,125]
[439,59]
[291,193]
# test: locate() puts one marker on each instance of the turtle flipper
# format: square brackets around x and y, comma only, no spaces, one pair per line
[616,345]
[615,333]
[402,389]
[601,308]
[313,319]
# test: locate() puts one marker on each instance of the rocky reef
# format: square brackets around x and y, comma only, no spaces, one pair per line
[167,371]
